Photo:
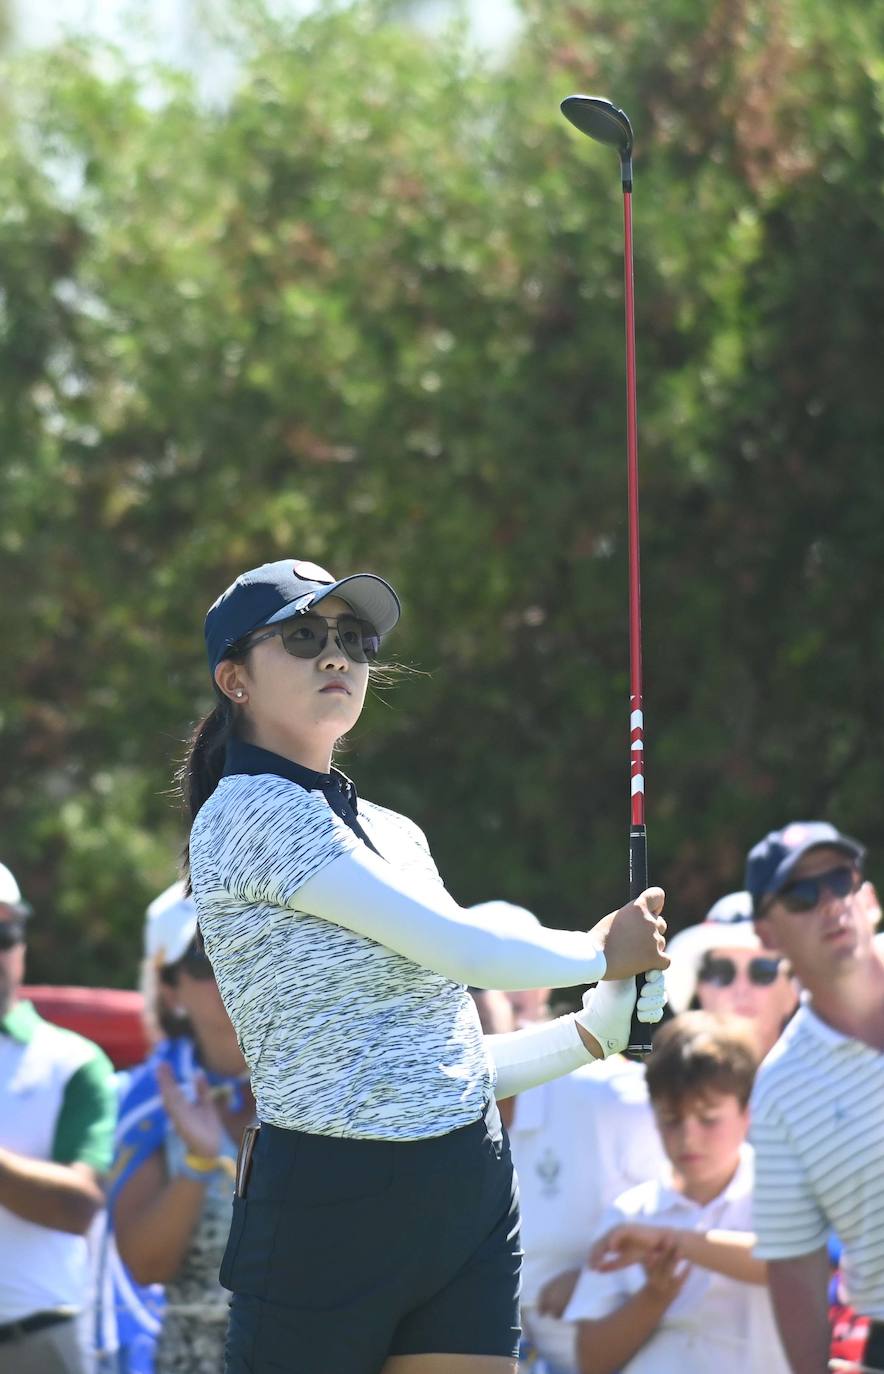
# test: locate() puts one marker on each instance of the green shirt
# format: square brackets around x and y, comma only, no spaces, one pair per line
[83,1131]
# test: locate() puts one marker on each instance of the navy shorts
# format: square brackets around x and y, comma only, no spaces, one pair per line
[344,1251]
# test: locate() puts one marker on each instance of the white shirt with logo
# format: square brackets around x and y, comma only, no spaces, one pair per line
[577,1142]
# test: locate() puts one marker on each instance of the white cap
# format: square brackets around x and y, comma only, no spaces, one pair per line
[728,925]
[170,925]
[10,894]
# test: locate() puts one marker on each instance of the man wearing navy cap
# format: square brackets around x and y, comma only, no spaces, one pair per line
[818,1103]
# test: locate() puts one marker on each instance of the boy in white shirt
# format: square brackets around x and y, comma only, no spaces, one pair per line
[577,1143]
[675,1288]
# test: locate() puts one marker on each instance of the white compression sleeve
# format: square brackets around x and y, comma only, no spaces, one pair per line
[487,946]
[526,1058]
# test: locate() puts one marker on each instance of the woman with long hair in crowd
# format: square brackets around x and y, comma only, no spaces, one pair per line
[376,1224]
[181,1120]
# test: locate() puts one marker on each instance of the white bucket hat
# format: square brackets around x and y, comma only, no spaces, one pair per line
[728,925]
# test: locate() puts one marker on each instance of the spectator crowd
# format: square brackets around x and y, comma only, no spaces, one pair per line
[719,1207]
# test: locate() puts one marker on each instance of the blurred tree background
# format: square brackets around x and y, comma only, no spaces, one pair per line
[368,311]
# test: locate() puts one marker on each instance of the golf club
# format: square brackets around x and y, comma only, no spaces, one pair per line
[605,123]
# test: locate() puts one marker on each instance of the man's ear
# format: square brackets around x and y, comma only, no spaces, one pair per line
[228,677]
[871,904]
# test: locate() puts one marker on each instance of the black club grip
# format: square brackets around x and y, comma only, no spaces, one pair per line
[639,1032]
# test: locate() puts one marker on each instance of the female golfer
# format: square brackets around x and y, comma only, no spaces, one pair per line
[376,1225]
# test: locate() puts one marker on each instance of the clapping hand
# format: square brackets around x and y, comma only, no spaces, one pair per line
[198,1123]
[630,1242]
[665,1272]
[655,1248]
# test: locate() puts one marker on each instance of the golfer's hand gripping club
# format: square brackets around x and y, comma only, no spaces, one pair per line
[639,1035]
[633,938]
[608,1009]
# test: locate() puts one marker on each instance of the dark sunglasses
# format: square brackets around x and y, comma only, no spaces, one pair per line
[11,934]
[305,636]
[806,893]
[721,972]
[194,961]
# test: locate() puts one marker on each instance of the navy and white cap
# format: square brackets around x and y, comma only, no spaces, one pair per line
[772,862]
[278,591]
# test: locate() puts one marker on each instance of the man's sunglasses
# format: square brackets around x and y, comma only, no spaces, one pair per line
[721,971]
[12,933]
[305,636]
[194,961]
[806,893]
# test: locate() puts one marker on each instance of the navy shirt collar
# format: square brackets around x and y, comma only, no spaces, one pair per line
[241,757]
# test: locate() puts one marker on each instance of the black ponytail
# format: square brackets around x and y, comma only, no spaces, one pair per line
[203,766]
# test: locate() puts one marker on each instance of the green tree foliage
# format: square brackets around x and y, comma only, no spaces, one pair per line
[368,311]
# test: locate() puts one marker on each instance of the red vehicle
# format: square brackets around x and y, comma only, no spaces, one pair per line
[112,1017]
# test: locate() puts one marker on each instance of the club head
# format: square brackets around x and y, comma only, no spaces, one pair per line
[599,119]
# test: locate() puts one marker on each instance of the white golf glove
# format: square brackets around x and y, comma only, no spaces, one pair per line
[608,1007]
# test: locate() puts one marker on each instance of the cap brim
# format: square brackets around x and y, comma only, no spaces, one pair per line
[170,925]
[852,848]
[10,892]
[370,596]
[179,945]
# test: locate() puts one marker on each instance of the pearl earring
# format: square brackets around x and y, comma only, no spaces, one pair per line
[239,692]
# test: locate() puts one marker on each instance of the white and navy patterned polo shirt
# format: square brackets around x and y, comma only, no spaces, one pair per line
[342,1036]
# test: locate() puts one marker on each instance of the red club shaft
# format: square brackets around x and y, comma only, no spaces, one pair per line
[636,722]
[639,1034]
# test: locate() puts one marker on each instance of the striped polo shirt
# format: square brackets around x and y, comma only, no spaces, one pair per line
[818,1131]
[342,1035]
